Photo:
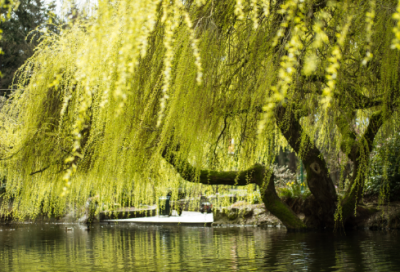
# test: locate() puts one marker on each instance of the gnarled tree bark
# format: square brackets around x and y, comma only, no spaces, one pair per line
[321,208]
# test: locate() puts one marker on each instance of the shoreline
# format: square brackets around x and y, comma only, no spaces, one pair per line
[239,214]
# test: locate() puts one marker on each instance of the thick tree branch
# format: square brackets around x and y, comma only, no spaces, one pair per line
[311,157]
[210,177]
[355,190]
[375,123]
[343,122]
[257,174]
[318,179]
[351,145]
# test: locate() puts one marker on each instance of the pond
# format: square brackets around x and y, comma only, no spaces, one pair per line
[130,247]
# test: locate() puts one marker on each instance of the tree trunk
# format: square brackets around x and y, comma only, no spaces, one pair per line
[359,153]
[281,157]
[319,209]
[293,162]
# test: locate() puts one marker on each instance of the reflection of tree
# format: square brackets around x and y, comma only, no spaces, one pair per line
[177,248]
[273,255]
[233,253]
[321,251]
[322,255]
[391,253]
[351,251]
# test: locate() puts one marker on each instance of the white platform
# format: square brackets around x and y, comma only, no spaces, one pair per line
[185,218]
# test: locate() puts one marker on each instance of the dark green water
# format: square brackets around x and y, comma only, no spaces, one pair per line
[128,247]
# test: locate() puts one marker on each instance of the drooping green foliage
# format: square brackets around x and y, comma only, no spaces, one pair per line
[119,96]
[384,177]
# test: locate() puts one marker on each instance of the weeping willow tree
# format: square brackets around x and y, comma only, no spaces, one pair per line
[139,96]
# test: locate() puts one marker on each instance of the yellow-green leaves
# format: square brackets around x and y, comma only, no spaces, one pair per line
[396,29]
[320,39]
[140,78]
[369,20]
[334,65]
[294,11]
[239,9]
[172,18]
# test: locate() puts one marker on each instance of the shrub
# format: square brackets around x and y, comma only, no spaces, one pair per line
[294,190]
[384,174]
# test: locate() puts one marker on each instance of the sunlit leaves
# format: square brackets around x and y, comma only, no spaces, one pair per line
[136,79]
[334,65]
[369,19]
[396,29]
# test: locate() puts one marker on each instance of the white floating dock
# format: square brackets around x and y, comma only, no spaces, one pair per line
[185,218]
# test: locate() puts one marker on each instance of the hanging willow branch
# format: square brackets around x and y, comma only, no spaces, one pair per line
[117,87]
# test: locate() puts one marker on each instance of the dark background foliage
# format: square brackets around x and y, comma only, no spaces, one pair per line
[18,40]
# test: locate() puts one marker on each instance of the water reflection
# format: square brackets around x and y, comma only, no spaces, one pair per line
[354,251]
[163,248]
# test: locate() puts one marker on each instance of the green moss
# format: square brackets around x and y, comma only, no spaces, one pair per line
[283,212]
[288,218]
[232,214]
